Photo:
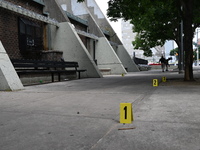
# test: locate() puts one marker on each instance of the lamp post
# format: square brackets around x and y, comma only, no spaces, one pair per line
[181,53]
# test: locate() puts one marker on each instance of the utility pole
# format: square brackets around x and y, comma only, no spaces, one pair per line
[181,53]
[197,48]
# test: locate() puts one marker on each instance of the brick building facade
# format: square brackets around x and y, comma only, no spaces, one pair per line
[10,29]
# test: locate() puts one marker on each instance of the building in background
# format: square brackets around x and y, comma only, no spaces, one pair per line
[127,37]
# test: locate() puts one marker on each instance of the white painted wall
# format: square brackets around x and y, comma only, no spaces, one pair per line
[9,80]
[126,59]
[107,58]
[67,40]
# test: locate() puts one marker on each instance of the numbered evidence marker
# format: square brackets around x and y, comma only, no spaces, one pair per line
[126,113]
[164,79]
[155,82]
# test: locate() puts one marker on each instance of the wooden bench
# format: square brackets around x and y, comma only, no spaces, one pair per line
[46,67]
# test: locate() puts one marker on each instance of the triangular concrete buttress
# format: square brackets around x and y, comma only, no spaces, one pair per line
[124,56]
[9,80]
[107,58]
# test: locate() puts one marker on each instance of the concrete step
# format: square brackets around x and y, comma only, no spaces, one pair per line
[105,71]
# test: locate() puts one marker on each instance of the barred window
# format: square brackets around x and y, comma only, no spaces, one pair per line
[30,36]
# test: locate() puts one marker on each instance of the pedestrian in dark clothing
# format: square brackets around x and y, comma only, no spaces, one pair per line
[162,61]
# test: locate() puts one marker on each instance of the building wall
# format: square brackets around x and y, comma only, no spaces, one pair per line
[80,10]
[67,40]
[81,27]
[102,22]
[9,32]
[55,11]
[9,26]
[27,4]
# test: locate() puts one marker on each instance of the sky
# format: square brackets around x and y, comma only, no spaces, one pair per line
[103,4]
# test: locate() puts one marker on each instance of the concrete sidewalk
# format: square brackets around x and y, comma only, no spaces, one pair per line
[84,114]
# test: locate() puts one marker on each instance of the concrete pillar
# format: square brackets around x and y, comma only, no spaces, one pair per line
[9,80]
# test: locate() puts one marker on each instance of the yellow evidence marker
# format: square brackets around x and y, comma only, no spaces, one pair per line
[164,79]
[155,82]
[126,113]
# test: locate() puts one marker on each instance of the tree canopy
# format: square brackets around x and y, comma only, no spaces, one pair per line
[156,21]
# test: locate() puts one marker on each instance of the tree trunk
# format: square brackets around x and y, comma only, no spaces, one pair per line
[188,38]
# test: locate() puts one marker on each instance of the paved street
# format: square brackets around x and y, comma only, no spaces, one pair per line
[84,114]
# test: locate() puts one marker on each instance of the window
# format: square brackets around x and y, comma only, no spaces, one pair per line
[30,36]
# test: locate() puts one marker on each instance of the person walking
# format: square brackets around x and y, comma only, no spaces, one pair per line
[162,61]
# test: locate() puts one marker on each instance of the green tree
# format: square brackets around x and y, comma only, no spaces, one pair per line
[174,52]
[140,44]
[195,53]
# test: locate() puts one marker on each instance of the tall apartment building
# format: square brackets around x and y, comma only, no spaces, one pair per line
[127,37]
